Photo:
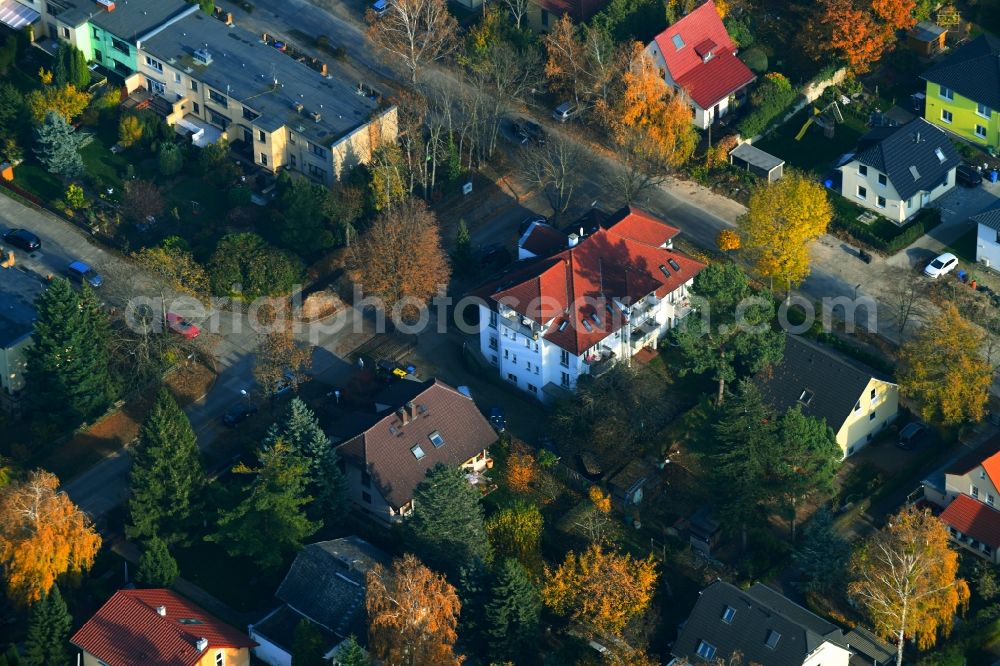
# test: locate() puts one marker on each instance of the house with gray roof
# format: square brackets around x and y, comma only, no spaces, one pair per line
[856,401]
[325,587]
[988,237]
[769,629]
[963,91]
[213,80]
[897,171]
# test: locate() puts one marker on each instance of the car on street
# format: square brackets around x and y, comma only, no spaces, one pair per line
[565,111]
[23,239]
[518,132]
[238,412]
[82,272]
[941,265]
[534,131]
[911,435]
[497,419]
[968,176]
[178,324]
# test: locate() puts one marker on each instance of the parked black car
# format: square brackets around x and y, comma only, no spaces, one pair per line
[238,413]
[23,239]
[911,435]
[968,176]
[497,419]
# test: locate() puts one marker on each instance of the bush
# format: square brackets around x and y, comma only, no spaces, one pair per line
[239,196]
[883,235]
[739,31]
[755,59]
[772,98]
[246,265]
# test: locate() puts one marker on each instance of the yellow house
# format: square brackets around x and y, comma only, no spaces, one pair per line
[856,401]
[142,627]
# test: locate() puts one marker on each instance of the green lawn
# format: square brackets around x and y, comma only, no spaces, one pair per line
[101,163]
[35,179]
[814,152]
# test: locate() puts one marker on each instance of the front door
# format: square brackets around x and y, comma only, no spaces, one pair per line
[715,113]
[925,198]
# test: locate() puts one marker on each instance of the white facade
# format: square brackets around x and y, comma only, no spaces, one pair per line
[517,348]
[872,189]
[267,651]
[988,246]
[702,117]
[828,654]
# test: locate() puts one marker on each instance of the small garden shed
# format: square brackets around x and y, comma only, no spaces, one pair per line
[926,38]
[757,162]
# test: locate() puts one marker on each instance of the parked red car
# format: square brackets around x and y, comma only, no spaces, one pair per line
[179,324]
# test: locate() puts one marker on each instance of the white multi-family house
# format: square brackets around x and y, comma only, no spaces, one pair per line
[896,171]
[550,320]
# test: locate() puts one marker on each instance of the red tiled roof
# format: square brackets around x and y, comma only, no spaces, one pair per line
[702,32]
[992,467]
[544,240]
[974,519]
[578,286]
[716,79]
[127,630]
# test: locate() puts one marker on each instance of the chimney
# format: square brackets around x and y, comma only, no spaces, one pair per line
[403,414]
[316,116]
[411,411]
[201,644]
[161,611]
[573,240]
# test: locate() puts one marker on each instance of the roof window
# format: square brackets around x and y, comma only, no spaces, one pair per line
[914,173]
[678,42]
[597,320]
[436,439]
[190,620]
[563,324]
[806,396]
[417,452]
[772,639]
[674,265]
[587,326]
[705,650]
[663,269]
[728,614]
[940,155]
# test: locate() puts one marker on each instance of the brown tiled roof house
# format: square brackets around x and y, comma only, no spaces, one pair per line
[415,426]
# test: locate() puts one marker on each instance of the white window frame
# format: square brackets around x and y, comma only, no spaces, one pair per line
[881,199]
[946,93]
[981,135]
[152,63]
[220,658]
[862,193]
[947,116]
[862,170]
[883,180]
[979,110]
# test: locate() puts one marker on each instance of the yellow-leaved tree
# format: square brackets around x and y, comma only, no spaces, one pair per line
[782,219]
[600,589]
[942,367]
[175,264]
[65,100]
[516,531]
[906,579]
[649,117]
[43,535]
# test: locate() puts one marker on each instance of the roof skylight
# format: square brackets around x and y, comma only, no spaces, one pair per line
[678,42]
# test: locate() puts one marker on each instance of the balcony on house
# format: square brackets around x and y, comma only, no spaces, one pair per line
[518,324]
[644,334]
[600,362]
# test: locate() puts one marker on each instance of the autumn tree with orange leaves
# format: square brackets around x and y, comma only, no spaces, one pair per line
[521,468]
[907,580]
[412,615]
[601,590]
[649,117]
[43,535]
[861,31]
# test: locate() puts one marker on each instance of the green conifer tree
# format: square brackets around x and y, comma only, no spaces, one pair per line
[270,523]
[512,613]
[300,430]
[166,474]
[58,147]
[77,72]
[823,554]
[352,654]
[10,656]
[48,631]
[59,72]
[157,567]
[446,529]
[67,365]
[170,159]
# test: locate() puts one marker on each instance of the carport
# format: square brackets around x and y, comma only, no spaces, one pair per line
[757,162]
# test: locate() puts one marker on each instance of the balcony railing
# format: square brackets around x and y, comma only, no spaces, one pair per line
[518,327]
[598,364]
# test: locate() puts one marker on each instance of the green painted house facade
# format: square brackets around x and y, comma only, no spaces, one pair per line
[963,92]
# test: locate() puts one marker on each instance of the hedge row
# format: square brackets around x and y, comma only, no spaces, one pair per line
[894,238]
[772,98]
